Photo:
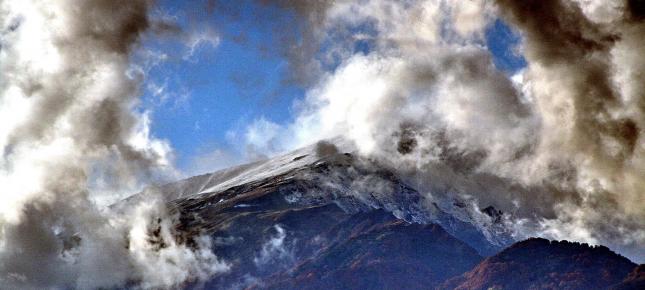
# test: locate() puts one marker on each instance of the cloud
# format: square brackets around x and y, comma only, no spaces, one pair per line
[260,138]
[73,140]
[581,74]
[198,40]
[212,159]
[275,250]
[165,262]
[557,146]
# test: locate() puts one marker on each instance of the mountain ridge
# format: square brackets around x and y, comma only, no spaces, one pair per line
[312,220]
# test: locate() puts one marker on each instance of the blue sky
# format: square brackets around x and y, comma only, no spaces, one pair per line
[244,76]
[220,86]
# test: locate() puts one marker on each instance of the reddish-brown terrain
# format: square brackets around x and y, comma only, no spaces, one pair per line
[543,264]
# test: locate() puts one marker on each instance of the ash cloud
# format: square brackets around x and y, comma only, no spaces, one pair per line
[557,146]
[71,138]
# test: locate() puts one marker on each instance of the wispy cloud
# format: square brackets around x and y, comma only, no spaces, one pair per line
[196,41]
[275,251]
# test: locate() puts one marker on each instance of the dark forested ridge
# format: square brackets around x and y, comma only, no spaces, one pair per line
[542,264]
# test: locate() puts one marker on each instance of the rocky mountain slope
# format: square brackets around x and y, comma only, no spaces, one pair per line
[322,218]
[323,174]
[327,212]
[389,254]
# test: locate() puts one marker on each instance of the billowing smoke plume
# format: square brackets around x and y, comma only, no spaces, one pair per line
[557,146]
[71,139]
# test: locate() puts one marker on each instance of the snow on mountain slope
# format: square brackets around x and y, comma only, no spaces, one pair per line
[303,214]
[237,175]
[351,182]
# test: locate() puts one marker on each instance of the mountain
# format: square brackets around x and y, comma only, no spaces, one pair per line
[542,264]
[388,254]
[323,218]
[274,219]
[324,174]
[634,281]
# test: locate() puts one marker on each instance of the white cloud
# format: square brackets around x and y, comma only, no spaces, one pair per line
[560,137]
[275,250]
[72,141]
[197,41]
